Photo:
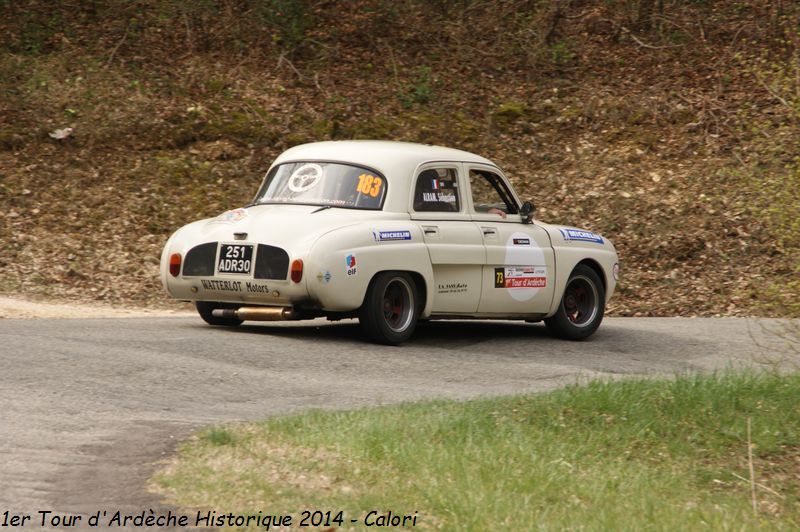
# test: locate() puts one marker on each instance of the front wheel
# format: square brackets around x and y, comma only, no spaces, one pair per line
[205,308]
[390,310]
[582,306]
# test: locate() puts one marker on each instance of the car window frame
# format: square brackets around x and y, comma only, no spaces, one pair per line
[462,213]
[485,216]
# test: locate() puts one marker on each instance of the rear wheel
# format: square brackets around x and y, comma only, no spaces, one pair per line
[582,306]
[205,308]
[391,308]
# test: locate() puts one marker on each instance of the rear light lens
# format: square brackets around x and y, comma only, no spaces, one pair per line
[175,264]
[297,271]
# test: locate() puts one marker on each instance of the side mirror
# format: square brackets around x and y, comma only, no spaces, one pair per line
[526,212]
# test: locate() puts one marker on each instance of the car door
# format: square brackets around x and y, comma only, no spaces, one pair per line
[519,273]
[454,242]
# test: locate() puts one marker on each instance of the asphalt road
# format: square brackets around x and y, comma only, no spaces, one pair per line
[88,406]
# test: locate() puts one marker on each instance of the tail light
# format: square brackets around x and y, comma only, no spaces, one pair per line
[175,264]
[297,270]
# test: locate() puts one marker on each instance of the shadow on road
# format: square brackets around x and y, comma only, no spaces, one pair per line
[508,339]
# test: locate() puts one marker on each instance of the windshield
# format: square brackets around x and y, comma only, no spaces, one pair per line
[325,184]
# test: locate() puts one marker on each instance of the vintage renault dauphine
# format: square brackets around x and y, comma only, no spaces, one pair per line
[389,233]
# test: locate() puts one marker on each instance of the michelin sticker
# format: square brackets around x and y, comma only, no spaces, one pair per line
[385,236]
[581,236]
[525,273]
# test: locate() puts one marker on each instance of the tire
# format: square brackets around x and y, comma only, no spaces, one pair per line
[204,308]
[391,308]
[581,308]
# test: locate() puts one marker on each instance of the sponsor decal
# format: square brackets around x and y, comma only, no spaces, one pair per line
[451,288]
[236,215]
[434,184]
[581,236]
[350,263]
[383,236]
[439,197]
[305,178]
[615,271]
[234,286]
[369,185]
[517,253]
[256,288]
[520,277]
[221,286]
[324,277]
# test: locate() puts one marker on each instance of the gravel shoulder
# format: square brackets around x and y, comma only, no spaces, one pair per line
[18,307]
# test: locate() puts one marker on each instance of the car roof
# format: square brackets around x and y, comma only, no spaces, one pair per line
[384,156]
[397,161]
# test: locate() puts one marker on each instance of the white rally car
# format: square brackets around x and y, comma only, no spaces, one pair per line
[390,233]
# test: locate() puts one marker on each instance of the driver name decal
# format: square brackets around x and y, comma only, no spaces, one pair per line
[439,197]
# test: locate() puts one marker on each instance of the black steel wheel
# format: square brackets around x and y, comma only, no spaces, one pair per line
[391,308]
[582,306]
[204,308]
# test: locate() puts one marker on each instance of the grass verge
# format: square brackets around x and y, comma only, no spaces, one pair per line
[627,455]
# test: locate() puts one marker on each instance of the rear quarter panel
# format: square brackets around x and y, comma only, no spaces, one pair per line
[342,263]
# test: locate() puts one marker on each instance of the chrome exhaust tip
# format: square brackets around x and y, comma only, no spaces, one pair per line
[257,313]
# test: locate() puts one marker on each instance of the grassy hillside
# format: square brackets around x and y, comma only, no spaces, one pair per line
[669,127]
[715,452]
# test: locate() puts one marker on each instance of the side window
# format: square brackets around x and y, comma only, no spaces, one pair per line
[490,192]
[436,190]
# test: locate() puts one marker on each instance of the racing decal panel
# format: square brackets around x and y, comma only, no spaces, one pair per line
[518,275]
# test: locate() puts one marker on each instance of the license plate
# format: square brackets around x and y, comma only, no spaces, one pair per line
[235,258]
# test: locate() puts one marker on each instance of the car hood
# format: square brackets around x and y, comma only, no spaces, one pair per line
[278,225]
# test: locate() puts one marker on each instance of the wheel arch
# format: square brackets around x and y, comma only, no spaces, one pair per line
[419,282]
[594,265]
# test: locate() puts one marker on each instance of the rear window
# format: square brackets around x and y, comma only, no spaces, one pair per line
[321,183]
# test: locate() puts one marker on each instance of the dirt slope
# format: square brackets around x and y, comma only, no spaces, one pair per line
[672,131]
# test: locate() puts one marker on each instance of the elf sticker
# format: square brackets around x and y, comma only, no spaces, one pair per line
[350,262]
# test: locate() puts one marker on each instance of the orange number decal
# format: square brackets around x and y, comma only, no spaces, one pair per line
[369,184]
[376,187]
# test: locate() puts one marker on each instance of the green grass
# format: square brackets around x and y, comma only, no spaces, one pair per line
[627,455]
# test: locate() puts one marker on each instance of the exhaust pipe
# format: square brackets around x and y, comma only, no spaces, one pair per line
[257,313]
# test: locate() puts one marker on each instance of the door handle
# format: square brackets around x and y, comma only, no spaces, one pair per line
[430,230]
[488,231]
